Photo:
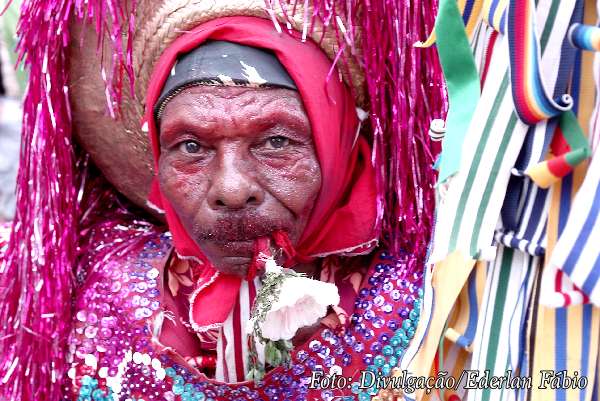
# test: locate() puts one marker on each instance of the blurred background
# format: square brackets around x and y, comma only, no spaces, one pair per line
[12,86]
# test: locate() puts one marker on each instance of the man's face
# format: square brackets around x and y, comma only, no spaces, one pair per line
[237,164]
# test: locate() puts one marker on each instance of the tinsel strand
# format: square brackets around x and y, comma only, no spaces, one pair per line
[37,272]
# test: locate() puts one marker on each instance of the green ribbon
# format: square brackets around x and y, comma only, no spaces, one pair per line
[574,136]
[462,80]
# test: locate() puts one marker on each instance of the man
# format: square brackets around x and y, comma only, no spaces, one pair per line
[258,161]
[236,161]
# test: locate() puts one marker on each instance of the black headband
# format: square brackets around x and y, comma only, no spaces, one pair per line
[223,63]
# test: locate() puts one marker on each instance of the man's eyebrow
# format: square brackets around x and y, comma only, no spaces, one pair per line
[178,125]
[289,119]
[266,120]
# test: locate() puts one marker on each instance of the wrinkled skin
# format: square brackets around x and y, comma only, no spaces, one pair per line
[236,164]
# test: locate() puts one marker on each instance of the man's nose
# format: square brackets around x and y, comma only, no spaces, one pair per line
[233,186]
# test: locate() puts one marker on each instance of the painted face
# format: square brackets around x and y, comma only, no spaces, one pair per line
[236,164]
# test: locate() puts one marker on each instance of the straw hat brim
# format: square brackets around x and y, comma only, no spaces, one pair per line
[118,146]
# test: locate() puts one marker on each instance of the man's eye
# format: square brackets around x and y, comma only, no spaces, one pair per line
[189,147]
[277,142]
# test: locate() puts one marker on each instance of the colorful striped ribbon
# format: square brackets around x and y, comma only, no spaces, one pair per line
[531,99]
[569,147]
[585,37]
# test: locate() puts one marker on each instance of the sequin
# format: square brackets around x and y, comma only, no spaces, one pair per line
[116,286]
[349,339]
[92,318]
[329,362]
[378,322]
[81,316]
[298,369]
[323,352]
[90,331]
[358,347]
[315,345]
[301,356]
[105,332]
[326,334]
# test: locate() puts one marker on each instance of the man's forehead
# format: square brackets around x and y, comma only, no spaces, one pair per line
[201,105]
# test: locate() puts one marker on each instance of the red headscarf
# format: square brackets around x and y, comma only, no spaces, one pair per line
[343,218]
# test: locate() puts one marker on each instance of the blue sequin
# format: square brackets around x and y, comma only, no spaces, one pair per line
[379,361]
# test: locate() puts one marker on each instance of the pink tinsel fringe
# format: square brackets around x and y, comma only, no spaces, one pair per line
[405,92]
[37,273]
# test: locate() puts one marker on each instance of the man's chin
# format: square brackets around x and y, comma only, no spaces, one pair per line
[235,265]
[231,257]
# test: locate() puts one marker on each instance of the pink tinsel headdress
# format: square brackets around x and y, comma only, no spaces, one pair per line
[36,276]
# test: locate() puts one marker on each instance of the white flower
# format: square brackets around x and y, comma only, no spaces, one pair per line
[302,302]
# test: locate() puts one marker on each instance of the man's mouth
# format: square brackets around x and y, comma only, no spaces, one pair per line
[238,233]
[237,248]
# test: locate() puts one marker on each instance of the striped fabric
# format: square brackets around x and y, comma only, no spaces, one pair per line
[500,340]
[558,291]
[594,122]
[585,37]
[512,240]
[483,42]
[525,209]
[448,282]
[471,13]
[565,339]
[232,344]
[462,324]
[457,349]
[494,201]
[558,288]
[468,215]
[577,252]
[570,333]
[494,14]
